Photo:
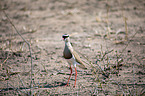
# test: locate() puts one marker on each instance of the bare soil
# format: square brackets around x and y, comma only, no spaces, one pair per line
[110,34]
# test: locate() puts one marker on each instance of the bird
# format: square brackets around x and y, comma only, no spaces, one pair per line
[72,57]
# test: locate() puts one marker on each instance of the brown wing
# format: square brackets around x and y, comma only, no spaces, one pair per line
[78,59]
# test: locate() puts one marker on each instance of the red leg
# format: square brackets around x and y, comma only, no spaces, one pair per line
[69,76]
[75,77]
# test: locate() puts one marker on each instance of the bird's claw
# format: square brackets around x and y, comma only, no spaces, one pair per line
[66,85]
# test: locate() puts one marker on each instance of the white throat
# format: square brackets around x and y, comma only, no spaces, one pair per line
[69,45]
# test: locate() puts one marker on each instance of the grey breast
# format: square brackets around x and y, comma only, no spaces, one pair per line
[66,53]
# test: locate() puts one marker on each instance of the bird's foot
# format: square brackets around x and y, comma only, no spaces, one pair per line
[67,85]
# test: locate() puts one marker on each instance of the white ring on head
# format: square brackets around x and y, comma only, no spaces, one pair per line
[65,35]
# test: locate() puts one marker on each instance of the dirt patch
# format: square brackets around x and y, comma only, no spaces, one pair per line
[110,34]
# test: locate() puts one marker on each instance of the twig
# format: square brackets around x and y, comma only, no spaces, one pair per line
[4,62]
[120,87]
[23,84]
[138,60]
[133,80]
[8,86]
[14,88]
[96,89]
[29,49]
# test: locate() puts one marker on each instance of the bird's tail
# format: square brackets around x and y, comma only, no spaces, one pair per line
[82,66]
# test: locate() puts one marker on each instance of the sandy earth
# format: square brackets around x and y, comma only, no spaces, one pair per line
[94,26]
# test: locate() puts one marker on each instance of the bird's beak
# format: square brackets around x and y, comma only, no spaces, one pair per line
[62,39]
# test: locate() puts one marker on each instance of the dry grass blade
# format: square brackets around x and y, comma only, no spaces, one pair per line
[4,62]
[120,87]
[133,79]
[126,29]
[128,43]
[91,64]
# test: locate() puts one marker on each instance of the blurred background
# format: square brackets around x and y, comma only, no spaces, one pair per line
[109,35]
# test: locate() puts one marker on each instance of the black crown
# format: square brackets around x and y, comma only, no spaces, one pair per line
[65,36]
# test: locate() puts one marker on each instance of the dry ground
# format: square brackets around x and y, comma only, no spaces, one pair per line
[110,34]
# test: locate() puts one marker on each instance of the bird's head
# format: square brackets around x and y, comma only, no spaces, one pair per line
[65,37]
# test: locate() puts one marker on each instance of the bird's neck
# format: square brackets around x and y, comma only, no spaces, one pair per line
[68,44]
